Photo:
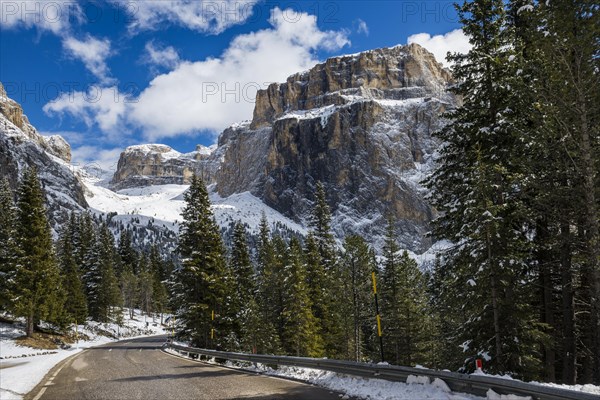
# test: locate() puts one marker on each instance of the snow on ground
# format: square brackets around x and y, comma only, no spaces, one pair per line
[416,387]
[588,388]
[165,202]
[249,209]
[365,388]
[22,368]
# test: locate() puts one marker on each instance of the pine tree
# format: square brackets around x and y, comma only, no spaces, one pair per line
[8,245]
[146,291]
[300,336]
[102,288]
[269,341]
[201,287]
[84,238]
[327,310]
[477,189]
[36,292]
[568,48]
[76,305]
[407,317]
[316,277]
[129,291]
[127,254]
[129,272]
[408,320]
[158,270]
[246,307]
[276,286]
[358,263]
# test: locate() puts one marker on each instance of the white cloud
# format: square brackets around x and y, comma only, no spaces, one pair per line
[455,42]
[209,95]
[92,52]
[161,56]
[362,27]
[212,94]
[52,16]
[56,17]
[209,16]
[95,156]
[101,106]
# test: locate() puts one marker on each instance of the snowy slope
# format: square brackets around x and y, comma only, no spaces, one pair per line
[163,204]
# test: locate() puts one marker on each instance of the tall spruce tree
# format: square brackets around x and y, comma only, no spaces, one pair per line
[76,305]
[158,271]
[406,313]
[357,265]
[326,310]
[128,277]
[568,47]
[269,341]
[101,283]
[300,335]
[127,254]
[477,190]
[8,244]
[277,284]
[36,292]
[247,313]
[201,286]
[407,318]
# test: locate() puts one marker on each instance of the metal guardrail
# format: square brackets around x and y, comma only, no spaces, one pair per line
[473,384]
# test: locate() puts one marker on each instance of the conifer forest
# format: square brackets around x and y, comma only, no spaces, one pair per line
[516,194]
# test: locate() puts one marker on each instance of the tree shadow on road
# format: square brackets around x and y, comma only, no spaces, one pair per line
[199,374]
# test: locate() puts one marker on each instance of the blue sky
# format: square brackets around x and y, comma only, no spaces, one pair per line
[111,73]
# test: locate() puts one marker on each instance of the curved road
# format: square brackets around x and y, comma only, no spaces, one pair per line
[139,369]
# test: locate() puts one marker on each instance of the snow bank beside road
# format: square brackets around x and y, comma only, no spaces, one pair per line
[366,388]
[22,368]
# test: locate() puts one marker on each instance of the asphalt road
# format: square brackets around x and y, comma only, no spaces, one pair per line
[139,369]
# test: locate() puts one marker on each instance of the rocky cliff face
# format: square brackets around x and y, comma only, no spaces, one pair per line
[361,124]
[158,164]
[13,113]
[21,147]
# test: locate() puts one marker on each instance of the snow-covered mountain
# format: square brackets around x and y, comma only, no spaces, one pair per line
[21,146]
[361,124]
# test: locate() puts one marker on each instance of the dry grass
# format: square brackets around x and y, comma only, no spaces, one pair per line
[41,341]
[47,341]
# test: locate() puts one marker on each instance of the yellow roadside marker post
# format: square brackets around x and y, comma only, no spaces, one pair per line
[377,314]
[212,329]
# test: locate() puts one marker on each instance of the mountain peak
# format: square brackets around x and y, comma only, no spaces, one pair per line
[399,72]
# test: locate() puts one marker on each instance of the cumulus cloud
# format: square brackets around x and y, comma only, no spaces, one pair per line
[207,16]
[56,17]
[101,106]
[52,16]
[362,27]
[160,56]
[212,94]
[454,42]
[92,52]
[209,95]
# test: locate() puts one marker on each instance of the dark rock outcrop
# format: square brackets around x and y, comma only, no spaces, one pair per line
[21,147]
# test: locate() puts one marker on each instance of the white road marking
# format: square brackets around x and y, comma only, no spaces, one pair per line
[40,394]
[49,381]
